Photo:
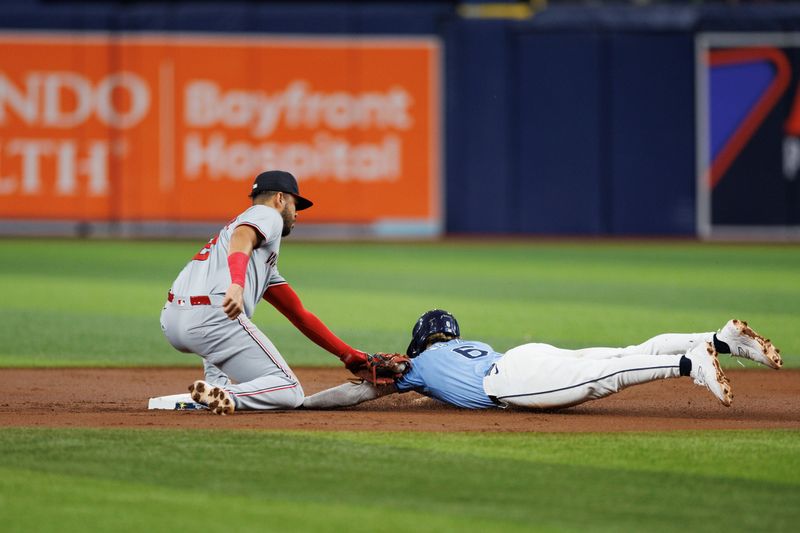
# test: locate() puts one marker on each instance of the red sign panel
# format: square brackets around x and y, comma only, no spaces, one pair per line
[174,127]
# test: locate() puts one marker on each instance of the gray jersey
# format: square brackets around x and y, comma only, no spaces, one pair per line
[207,274]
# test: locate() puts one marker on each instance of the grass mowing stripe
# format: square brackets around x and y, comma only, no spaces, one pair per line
[47,338]
[97,302]
[755,455]
[33,501]
[126,298]
[536,482]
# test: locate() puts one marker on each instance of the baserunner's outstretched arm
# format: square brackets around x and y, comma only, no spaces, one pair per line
[347,394]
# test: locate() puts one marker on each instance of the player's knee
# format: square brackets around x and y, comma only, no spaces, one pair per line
[298,396]
[291,398]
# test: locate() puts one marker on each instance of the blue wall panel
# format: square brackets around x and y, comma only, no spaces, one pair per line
[479,190]
[652,135]
[560,136]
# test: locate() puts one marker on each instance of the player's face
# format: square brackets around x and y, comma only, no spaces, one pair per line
[289,214]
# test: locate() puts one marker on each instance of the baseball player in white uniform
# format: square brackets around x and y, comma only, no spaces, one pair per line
[470,374]
[211,301]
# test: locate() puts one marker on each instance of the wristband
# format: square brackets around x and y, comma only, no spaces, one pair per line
[237,264]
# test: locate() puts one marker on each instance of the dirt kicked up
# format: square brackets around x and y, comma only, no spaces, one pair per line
[117,398]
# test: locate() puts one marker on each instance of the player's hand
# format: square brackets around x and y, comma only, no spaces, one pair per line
[355,361]
[385,368]
[233,303]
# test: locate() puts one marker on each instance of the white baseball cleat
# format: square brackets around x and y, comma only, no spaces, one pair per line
[218,400]
[707,372]
[745,342]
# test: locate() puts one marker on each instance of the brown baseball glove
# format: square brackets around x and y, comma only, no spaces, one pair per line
[385,368]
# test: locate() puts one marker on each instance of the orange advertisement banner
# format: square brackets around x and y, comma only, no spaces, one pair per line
[173,127]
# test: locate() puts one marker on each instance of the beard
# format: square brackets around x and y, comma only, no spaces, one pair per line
[288,223]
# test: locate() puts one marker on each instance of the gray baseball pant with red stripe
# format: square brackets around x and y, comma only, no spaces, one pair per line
[239,350]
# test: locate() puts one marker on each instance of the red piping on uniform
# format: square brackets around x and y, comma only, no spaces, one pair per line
[258,230]
[265,391]
[258,341]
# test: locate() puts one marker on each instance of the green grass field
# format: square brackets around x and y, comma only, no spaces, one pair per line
[92,303]
[78,303]
[123,480]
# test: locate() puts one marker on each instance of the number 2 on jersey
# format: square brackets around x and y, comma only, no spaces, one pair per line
[202,255]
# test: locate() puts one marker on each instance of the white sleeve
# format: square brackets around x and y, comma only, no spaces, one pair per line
[265,220]
[345,395]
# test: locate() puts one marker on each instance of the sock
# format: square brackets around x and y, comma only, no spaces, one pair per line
[685,366]
[721,347]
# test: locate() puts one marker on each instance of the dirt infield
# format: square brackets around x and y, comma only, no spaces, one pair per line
[118,398]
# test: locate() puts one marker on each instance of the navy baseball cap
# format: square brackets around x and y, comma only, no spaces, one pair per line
[278,180]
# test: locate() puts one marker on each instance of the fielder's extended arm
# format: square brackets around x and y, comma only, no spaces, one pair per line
[284,299]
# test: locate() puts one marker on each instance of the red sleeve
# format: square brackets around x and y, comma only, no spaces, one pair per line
[283,298]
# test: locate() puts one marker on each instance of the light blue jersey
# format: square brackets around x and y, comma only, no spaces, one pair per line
[452,372]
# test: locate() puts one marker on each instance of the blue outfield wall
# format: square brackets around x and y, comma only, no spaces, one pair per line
[585,124]
[561,149]
[579,121]
[652,163]
[573,131]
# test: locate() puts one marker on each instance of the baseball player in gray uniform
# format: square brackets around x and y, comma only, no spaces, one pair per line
[211,301]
